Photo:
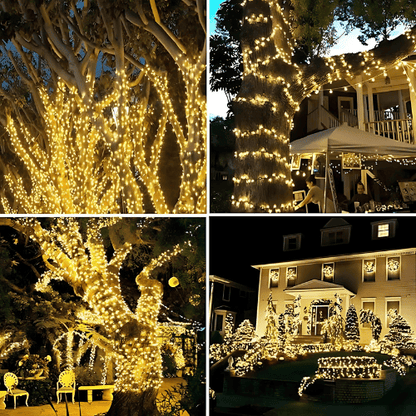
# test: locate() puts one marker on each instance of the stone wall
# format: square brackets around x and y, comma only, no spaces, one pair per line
[363,390]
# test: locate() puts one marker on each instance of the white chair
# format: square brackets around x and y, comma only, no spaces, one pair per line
[66,384]
[10,381]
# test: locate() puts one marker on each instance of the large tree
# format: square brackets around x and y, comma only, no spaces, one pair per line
[103,106]
[282,45]
[74,251]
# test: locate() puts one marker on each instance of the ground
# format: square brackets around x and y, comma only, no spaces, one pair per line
[400,401]
[92,409]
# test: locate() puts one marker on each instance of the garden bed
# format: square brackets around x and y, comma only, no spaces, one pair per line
[302,366]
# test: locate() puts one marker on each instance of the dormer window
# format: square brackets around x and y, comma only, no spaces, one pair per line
[384,229]
[291,242]
[336,231]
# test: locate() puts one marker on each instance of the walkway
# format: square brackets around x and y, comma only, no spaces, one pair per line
[92,409]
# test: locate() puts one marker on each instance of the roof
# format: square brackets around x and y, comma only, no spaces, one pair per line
[335,223]
[351,140]
[228,282]
[311,287]
[361,241]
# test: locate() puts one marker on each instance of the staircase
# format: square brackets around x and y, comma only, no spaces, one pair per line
[308,339]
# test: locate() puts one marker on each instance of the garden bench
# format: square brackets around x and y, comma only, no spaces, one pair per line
[3,394]
[107,391]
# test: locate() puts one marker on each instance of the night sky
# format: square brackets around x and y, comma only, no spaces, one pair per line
[237,242]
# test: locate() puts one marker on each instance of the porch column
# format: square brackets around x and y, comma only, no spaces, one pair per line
[320,105]
[370,108]
[412,89]
[360,103]
[402,110]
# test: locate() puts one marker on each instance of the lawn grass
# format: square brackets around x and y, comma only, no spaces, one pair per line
[290,370]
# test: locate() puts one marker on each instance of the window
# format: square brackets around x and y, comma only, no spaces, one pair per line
[369,270]
[274,277]
[368,304]
[393,268]
[384,229]
[392,304]
[291,242]
[226,293]
[219,323]
[331,237]
[291,275]
[328,272]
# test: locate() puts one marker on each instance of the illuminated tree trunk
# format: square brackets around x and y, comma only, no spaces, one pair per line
[130,336]
[272,88]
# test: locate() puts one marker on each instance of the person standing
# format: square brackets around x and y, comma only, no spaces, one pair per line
[360,198]
[315,196]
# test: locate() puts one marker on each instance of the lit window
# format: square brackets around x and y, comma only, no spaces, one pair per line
[274,277]
[291,276]
[383,230]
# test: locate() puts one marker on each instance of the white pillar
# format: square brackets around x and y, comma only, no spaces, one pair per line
[360,104]
[370,107]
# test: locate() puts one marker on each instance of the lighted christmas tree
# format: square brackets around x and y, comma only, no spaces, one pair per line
[352,330]
[244,335]
[400,333]
[73,251]
[103,106]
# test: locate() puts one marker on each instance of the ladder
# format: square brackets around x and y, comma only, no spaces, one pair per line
[333,190]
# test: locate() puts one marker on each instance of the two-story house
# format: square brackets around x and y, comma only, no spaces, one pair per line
[229,297]
[371,267]
[376,105]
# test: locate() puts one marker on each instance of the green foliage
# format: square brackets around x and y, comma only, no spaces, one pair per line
[376,19]
[85,376]
[226,63]
[352,330]
[39,391]
[168,364]
[313,26]
[30,365]
[400,334]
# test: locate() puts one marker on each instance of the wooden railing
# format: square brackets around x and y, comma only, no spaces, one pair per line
[400,130]
[386,124]
[349,117]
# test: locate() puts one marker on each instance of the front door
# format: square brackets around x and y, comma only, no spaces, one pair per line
[319,314]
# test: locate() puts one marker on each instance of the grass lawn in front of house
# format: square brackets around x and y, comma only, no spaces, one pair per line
[303,366]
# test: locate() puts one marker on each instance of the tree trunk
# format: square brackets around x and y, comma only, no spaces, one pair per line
[263,112]
[272,88]
[134,404]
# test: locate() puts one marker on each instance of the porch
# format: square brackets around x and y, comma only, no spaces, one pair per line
[379,102]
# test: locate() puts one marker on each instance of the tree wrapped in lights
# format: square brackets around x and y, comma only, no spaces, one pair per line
[283,64]
[400,333]
[104,107]
[73,251]
[352,330]
[244,335]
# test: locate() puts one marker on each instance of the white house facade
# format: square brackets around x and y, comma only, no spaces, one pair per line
[374,278]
